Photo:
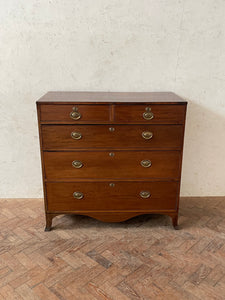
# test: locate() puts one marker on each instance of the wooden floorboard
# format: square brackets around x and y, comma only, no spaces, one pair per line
[142,258]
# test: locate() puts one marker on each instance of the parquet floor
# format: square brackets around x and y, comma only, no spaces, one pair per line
[143,258]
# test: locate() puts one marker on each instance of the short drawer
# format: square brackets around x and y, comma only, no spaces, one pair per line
[152,114]
[97,196]
[74,113]
[116,136]
[111,164]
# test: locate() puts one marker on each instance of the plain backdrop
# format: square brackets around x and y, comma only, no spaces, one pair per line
[112,45]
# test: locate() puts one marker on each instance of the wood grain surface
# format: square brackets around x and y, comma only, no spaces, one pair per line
[58,137]
[101,196]
[110,97]
[124,164]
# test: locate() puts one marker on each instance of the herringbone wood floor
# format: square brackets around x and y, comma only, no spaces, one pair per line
[143,258]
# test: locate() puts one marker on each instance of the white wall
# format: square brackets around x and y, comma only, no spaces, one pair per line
[112,45]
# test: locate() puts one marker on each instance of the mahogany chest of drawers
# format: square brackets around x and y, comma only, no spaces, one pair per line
[111,156]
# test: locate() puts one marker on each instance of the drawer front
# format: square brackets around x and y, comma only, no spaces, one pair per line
[152,114]
[75,113]
[98,196]
[115,136]
[114,164]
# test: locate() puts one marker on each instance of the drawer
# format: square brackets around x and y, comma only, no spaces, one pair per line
[114,164]
[115,136]
[97,196]
[152,114]
[74,113]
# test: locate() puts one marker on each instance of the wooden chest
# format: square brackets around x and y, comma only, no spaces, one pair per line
[111,156]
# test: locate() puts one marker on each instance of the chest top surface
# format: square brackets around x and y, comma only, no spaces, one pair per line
[110,97]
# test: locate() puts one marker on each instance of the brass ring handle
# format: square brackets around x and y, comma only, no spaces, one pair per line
[145,194]
[148,114]
[76,135]
[146,163]
[75,115]
[77,164]
[147,135]
[78,195]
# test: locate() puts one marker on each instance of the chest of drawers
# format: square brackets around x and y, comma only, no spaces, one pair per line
[111,156]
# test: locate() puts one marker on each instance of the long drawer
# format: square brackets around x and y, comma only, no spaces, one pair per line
[112,164]
[116,136]
[97,196]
